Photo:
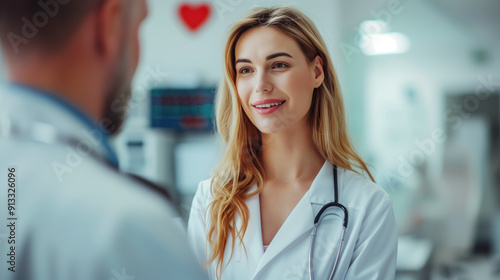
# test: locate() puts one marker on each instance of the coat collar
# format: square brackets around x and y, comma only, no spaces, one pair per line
[29,106]
[253,236]
[296,226]
[322,188]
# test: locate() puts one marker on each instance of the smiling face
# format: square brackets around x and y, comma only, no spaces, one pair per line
[274,79]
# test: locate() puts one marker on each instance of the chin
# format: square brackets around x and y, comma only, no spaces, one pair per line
[272,127]
[117,106]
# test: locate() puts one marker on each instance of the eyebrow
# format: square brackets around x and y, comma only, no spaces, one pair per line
[269,57]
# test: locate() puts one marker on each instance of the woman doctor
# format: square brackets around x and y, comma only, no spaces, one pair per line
[280,113]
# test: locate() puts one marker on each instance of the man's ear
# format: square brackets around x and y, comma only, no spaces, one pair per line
[319,74]
[109,21]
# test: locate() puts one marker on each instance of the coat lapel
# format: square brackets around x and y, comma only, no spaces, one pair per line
[252,238]
[301,220]
[298,224]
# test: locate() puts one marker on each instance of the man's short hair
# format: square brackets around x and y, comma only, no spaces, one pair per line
[46,24]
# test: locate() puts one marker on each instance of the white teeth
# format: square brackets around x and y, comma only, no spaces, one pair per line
[264,106]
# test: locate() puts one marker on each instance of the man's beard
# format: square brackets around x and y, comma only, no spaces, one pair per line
[118,94]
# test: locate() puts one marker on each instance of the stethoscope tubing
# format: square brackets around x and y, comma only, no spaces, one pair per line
[317,221]
[338,254]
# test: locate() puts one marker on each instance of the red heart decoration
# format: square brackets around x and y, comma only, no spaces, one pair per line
[194,15]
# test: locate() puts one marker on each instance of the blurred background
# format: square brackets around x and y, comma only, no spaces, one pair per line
[421,82]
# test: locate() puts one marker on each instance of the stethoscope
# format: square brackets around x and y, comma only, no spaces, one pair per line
[317,221]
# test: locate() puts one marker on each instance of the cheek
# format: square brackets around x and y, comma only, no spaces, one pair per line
[299,85]
[244,92]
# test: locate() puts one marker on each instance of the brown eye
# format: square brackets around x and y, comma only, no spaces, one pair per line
[280,65]
[245,70]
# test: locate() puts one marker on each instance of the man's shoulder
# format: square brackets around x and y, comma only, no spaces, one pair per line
[112,190]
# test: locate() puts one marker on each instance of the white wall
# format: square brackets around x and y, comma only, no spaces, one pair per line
[198,56]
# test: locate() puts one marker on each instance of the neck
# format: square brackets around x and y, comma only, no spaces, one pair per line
[290,155]
[63,76]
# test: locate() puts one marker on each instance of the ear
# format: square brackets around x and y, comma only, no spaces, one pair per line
[318,73]
[109,21]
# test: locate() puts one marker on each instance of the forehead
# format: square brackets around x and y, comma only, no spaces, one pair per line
[260,42]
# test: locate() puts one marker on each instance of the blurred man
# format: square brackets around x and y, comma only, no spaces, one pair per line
[65,210]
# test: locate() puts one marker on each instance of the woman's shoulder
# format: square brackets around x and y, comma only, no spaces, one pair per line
[204,186]
[361,192]
[203,194]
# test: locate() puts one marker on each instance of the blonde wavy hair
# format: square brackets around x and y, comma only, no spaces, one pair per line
[241,167]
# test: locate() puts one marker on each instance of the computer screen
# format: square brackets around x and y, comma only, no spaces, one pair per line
[183,109]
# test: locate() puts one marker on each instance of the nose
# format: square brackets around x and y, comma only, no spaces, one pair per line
[264,85]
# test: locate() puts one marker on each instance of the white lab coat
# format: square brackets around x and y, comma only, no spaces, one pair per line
[369,250]
[94,223]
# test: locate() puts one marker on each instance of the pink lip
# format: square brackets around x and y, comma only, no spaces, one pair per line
[266,111]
